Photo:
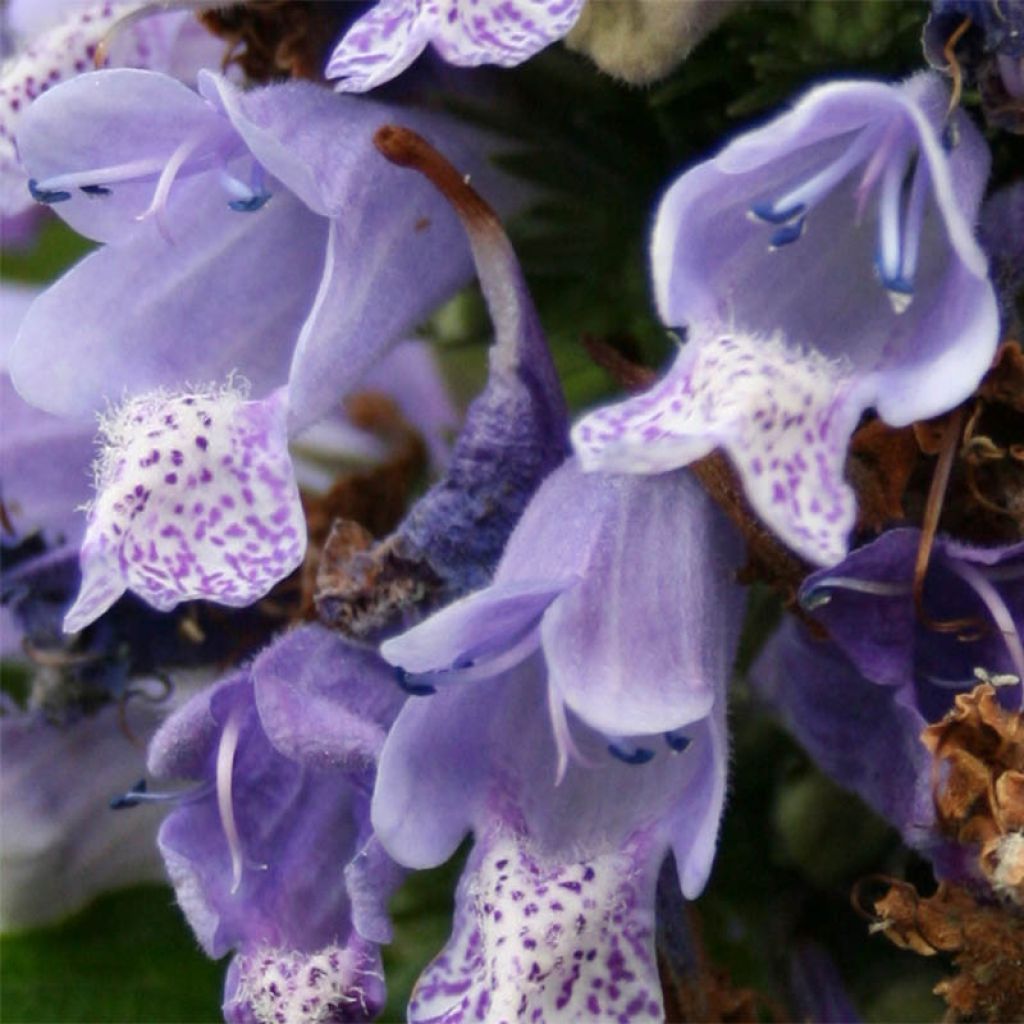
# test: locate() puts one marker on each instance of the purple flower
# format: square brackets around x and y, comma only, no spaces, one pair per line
[386,40]
[860,701]
[600,608]
[554,914]
[594,573]
[56,41]
[821,264]
[271,855]
[971,616]
[197,497]
[44,460]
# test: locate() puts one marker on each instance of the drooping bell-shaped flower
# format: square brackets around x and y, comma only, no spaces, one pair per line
[389,37]
[53,42]
[626,585]
[970,617]
[297,255]
[860,700]
[196,494]
[820,265]
[554,916]
[271,854]
[572,715]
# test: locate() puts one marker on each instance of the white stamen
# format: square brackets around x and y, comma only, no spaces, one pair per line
[225,768]
[485,669]
[166,180]
[818,186]
[889,219]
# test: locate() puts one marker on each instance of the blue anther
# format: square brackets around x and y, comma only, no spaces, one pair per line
[636,755]
[94,190]
[250,205]
[404,680]
[463,662]
[768,213]
[788,233]
[47,195]
[677,741]
[132,798]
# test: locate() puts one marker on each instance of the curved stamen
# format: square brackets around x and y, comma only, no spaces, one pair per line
[130,170]
[140,794]
[997,608]
[225,767]
[797,201]
[425,683]
[818,596]
[167,177]
[629,752]
[889,259]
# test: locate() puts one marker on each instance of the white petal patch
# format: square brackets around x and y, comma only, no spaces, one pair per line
[63,51]
[783,415]
[196,498]
[542,941]
[282,985]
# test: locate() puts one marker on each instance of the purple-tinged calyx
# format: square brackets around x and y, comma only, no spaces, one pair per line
[196,498]
[388,38]
[821,265]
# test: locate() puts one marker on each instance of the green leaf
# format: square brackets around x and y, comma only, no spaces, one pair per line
[128,957]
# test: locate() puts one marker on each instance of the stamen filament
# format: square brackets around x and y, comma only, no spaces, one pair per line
[225,767]
[132,170]
[997,608]
[816,598]
[815,188]
[169,174]
[889,221]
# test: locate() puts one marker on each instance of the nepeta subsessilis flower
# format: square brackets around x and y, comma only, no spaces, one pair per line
[53,42]
[596,573]
[278,203]
[554,915]
[864,736]
[386,40]
[821,264]
[867,605]
[860,701]
[604,632]
[272,855]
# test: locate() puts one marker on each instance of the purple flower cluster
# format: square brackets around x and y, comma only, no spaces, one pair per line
[545,666]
